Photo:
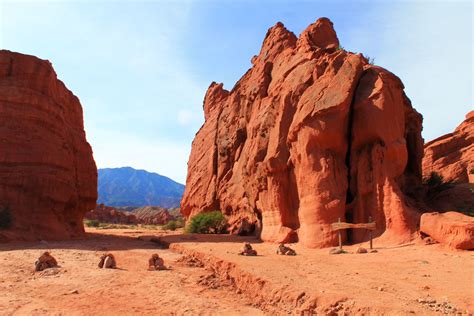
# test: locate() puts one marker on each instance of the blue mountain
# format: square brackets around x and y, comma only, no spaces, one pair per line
[130,187]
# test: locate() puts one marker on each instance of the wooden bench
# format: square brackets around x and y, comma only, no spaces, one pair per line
[342,225]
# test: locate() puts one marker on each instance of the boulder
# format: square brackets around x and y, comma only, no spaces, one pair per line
[310,134]
[48,177]
[452,228]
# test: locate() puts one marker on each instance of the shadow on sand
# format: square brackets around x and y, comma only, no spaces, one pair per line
[126,240]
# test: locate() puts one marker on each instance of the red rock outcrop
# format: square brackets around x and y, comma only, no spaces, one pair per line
[452,155]
[452,228]
[152,215]
[48,177]
[108,214]
[310,134]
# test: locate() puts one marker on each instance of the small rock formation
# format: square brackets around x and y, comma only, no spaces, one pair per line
[45,261]
[285,251]
[107,261]
[156,263]
[107,214]
[311,133]
[247,250]
[452,155]
[452,228]
[48,177]
[361,250]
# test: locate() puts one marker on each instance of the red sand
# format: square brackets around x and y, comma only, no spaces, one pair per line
[390,281]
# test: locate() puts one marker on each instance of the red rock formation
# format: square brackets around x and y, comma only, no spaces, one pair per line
[152,215]
[452,228]
[108,214]
[48,177]
[452,155]
[309,134]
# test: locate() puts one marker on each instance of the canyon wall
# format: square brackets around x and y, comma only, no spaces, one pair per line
[309,135]
[452,155]
[48,177]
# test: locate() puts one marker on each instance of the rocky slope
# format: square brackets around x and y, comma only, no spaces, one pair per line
[108,214]
[147,215]
[152,215]
[310,134]
[452,155]
[129,187]
[48,177]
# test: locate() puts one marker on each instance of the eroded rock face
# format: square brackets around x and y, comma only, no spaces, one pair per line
[108,214]
[48,177]
[452,155]
[453,229]
[308,135]
[152,215]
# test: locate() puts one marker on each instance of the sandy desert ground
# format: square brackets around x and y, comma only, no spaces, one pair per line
[207,277]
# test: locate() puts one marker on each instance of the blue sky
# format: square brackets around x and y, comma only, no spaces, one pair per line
[141,68]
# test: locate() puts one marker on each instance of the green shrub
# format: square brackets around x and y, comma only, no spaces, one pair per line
[340,47]
[207,223]
[173,224]
[6,219]
[466,211]
[92,223]
[435,183]
[435,179]
[471,171]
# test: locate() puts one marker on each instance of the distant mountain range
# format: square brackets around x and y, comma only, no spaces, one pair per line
[130,187]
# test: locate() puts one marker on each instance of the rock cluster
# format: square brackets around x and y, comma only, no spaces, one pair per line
[48,177]
[310,134]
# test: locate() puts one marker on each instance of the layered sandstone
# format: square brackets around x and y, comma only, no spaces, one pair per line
[152,215]
[310,134]
[48,177]
[108,214]
[452,155]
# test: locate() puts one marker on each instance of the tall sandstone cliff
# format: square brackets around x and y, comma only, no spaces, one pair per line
[48,177]
[452,155]
[310,134]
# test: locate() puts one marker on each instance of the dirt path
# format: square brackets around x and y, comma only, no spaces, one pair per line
[80,288]
[414,279]
[411,279]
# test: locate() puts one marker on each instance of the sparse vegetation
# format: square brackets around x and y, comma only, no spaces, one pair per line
[91,223]
[6,219]
[340,47]
[99,225]
[174,224]
[471,171]
[435,183]
[207,223]
[468,212]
